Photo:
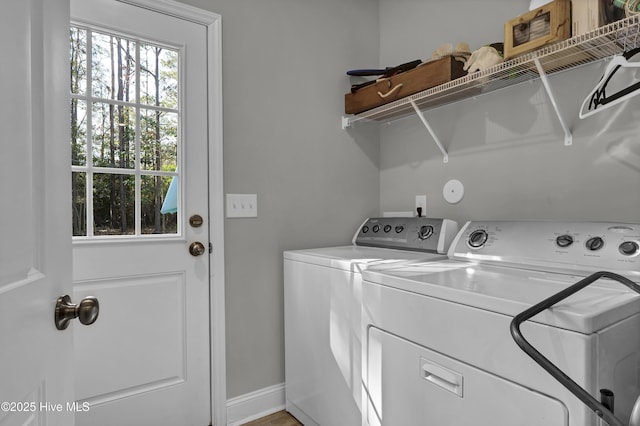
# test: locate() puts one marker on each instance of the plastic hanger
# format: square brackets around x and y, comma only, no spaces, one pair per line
[598,99]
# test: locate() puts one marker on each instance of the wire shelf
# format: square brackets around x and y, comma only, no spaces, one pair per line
[601,43]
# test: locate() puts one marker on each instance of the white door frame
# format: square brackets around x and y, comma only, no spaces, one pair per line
[213,23]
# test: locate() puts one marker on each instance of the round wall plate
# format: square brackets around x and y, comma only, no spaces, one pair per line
[453,191]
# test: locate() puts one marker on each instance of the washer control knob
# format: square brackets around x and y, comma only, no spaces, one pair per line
[387,228]
[594,243]
[399,229]
[425,232]
[477,238]
[376,228]
[564,240]
[629,248]
[365,229]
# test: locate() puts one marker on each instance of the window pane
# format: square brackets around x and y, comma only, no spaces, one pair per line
[113,67]
[159,144]
[158,76]
[78,60]
[155,219]
[113,204]
[113,142]
[78,191]
[78,132]
[105,119]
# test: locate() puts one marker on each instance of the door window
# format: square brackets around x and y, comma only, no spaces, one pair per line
[125,136]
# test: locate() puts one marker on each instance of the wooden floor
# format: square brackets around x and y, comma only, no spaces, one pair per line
[281,418]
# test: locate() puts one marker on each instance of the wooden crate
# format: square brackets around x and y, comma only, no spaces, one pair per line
[547,24]
[427,75]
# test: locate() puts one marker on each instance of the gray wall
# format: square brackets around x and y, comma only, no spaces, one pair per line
[284,64]
[506,147]
[283,77]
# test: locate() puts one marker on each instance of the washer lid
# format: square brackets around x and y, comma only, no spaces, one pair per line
[357,258]
[510,291]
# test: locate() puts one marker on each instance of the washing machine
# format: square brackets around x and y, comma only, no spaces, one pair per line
[437,347]
[322,301]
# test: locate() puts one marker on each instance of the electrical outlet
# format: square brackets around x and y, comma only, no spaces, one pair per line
[421,201]
[242,205]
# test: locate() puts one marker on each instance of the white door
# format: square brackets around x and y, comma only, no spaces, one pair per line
[36,383]
[139,123]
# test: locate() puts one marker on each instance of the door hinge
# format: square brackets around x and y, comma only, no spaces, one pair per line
[210,248]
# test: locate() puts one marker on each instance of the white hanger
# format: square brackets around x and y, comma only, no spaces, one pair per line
[597,99]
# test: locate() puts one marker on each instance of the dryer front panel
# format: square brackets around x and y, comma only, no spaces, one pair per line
[412,385]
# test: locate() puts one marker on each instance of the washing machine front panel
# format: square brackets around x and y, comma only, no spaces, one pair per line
[322,301]
[322,320]
[323,343]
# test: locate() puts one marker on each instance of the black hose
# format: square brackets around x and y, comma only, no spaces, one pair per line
[597,407]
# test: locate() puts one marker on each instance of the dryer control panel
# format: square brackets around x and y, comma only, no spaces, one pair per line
[562,246]
[407,233]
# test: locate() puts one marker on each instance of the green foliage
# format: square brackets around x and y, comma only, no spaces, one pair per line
[112,83]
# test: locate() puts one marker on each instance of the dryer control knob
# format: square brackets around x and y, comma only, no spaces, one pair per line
[477,238]
[425,232]
[564,240]
[594,243]
[629,248]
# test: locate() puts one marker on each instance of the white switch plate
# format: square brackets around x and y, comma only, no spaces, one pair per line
[242,205]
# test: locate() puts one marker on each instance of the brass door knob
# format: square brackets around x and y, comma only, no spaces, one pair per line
[86,311]
[197,249]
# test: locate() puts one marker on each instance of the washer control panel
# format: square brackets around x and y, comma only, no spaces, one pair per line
[407,233]
[562,245]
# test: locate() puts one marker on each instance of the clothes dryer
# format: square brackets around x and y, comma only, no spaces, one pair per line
[322,295]
[437,348]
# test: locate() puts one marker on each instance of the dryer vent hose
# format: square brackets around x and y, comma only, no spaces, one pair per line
[600,409]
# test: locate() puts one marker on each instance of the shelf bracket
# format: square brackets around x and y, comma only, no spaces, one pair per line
[568,137]
[346,123]
[445,155]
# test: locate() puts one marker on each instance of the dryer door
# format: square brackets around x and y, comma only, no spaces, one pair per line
[411,385]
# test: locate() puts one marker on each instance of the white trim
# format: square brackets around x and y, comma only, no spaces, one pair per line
[251,406]
[177,10]
[216,228]
[213,23]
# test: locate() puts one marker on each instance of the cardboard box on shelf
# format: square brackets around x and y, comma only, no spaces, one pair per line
[588,15]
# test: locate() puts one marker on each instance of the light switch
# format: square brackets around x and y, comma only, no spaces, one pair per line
[242,205]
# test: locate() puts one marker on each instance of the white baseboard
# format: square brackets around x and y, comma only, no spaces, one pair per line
[251,406]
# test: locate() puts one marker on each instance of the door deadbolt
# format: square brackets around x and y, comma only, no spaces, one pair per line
[196,221]
[86,311]
[197,248]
